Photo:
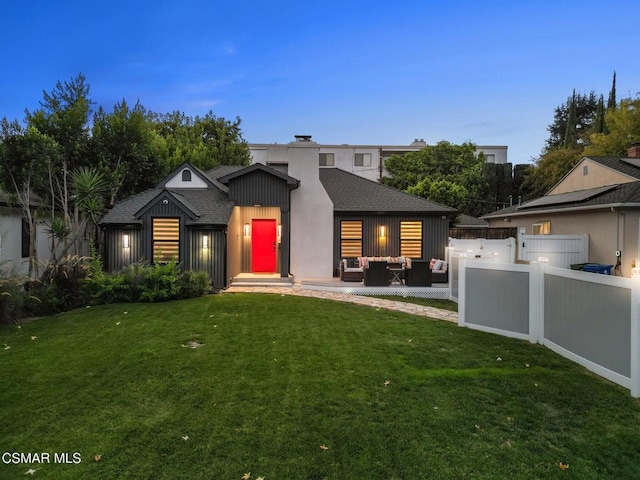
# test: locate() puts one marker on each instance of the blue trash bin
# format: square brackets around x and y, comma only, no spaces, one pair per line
[598,268]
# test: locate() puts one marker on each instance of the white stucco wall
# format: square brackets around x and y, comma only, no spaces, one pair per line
[11,261]
[311,217]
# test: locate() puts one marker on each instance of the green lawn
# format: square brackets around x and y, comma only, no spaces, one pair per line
[287,387]
[427,302]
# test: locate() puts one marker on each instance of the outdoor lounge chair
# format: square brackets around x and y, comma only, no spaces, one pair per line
[376,275]
[418,275]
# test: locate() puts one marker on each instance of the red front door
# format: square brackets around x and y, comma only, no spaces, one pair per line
[263,246]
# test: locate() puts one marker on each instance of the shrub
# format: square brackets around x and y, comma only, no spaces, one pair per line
[12,299]
[62,287]
[139,282]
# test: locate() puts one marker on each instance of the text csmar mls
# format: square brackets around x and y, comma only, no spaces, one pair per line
[41,457]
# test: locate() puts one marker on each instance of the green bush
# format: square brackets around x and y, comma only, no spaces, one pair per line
[139,282]
[62,287]
[12,299]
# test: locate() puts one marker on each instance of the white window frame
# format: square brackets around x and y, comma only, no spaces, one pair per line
[541,228]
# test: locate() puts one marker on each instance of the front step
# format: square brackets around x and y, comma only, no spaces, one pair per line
[252,280]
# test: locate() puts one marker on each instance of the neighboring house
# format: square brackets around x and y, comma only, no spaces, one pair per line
[364,160]
[600,197]
[15,237]
[296,219]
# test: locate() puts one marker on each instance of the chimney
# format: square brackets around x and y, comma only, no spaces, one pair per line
[634,151]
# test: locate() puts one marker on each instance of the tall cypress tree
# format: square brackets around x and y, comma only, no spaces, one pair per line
[598,123]
[611,103]
[570,136]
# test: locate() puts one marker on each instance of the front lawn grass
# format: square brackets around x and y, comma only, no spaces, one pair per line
[286,387]
[427,302]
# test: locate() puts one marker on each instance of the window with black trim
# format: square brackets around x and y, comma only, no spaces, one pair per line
[26,238]
[186,175]
[411,239]
[166,240]
[350,238]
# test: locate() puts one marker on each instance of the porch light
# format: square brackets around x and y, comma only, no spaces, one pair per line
[247,229]
[205,242]
[383,231]
[125,240]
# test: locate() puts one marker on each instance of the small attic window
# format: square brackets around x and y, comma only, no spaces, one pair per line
[186,175]
[585,170]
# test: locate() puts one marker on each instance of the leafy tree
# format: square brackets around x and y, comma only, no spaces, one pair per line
[131,154]
[549,170]
[24,159]
[428,171]
[622,130]
[441,191]
[203,141]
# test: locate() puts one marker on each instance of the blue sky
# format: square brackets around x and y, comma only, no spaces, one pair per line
[374,72]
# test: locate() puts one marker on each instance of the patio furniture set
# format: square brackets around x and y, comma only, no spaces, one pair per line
[385,271]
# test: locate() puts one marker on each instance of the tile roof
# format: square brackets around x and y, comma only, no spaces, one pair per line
[352,193]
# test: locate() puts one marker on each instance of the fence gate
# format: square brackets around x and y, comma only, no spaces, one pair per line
[561,250]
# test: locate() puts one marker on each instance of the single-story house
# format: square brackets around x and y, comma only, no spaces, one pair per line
[599,197]
[297,220]
[15,236]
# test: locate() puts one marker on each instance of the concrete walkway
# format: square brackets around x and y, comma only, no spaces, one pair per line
[411,308]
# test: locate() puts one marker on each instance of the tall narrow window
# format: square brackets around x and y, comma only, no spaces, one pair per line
[411,239]
[26,238]
[327,159]
[186,175]
[350,238]
[166,239]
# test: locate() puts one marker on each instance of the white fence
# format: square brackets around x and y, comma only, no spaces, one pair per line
[589,318]
[503,250]
[559,250]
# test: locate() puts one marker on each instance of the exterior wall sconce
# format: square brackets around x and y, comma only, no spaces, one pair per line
[247,229]
[125,240]
[205,242]
[383,231]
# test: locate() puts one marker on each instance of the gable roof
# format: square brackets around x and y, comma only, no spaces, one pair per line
[627,166]
[624,194]
[262,168]
[352,193]
[185,165]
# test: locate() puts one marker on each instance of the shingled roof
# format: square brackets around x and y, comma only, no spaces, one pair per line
[625,194]
[208,206]
[627,166]
[352,193]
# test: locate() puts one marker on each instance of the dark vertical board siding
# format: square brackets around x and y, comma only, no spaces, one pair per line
[259,188]
[435,234]
[213,259]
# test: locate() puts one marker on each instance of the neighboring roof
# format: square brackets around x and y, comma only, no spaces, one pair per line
[625,194]
[208,206]
[259,167]
[6,200]
[352,193]
[628,166]
[469,221]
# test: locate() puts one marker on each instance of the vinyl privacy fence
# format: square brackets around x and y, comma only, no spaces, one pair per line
[589,318]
